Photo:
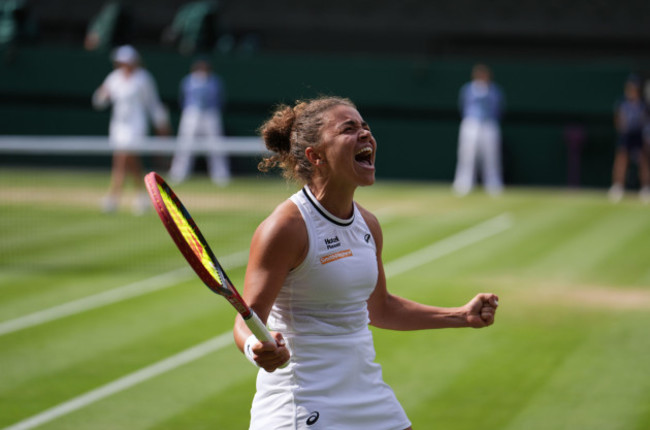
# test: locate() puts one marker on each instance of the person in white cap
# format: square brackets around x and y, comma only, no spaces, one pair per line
[133,93]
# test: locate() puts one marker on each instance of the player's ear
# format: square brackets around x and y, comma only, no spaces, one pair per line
[314,156]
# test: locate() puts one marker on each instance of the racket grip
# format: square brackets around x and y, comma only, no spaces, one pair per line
[258,328]
[260,331]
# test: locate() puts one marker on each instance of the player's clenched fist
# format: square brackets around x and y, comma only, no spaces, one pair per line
[481,309]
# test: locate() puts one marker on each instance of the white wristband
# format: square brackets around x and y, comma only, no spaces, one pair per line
[248,349]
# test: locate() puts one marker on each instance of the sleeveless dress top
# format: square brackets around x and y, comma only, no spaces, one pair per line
[332,381]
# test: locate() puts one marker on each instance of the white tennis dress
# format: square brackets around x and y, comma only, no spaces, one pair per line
[135,99]
[332,381]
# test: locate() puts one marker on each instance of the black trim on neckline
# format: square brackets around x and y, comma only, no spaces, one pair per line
[321,210]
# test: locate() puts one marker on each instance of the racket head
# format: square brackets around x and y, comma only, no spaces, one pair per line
[190,241]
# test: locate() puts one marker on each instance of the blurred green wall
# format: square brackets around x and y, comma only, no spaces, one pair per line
[410,103]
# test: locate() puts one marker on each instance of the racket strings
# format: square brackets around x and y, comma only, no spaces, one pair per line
[180,218]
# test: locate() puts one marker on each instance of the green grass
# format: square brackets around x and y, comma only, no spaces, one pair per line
[569,349]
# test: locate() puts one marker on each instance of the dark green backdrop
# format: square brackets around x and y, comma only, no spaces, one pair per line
[410,103]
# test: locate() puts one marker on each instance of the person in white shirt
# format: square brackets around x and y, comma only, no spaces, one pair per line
[315,276]
[134,96]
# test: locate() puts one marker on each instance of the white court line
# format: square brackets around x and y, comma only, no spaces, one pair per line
[450,244]
[126,382]
[114,295]
[446,246]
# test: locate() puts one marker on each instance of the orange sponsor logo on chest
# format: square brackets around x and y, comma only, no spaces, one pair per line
[335,256]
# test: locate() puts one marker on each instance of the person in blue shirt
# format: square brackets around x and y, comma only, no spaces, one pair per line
[202,94]
[481,104]
[630,119]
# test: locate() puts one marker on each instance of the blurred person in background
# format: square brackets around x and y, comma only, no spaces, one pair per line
[645,150]
[195,27]
[133,93]
[18,24]
[630,119]
[113,26]
[201,97]
[481,103]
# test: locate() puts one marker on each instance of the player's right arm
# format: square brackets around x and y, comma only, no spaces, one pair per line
[101,98]
[279,244]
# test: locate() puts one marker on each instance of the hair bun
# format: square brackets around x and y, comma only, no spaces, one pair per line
[291,130]
[276,132]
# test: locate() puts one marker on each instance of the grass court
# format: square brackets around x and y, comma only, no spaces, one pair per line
[103,325]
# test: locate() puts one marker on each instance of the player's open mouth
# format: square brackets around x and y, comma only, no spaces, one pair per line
[364,156]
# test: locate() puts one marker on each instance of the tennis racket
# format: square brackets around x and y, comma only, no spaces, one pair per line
[189,240]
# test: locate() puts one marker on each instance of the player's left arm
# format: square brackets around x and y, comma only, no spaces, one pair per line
[397,313]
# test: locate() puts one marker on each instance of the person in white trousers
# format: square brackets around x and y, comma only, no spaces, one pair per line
[479,139]
[201,97]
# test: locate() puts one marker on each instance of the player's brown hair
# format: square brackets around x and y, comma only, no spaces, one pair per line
[291,130]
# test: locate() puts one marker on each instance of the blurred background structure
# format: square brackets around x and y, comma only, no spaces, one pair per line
[561,65]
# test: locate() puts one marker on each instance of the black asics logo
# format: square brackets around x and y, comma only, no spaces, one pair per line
[313,418]
[367,237]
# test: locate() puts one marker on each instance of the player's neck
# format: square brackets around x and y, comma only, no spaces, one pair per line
[338,201]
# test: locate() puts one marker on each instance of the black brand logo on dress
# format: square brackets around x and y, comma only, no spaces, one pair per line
[333,242]
[313,418]
[367,237]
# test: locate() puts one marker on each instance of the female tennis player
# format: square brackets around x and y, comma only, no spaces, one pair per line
[315,276]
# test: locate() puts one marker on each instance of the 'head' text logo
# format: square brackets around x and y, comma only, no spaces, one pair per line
[333,242]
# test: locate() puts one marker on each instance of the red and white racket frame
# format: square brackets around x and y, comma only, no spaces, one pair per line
[228,291]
